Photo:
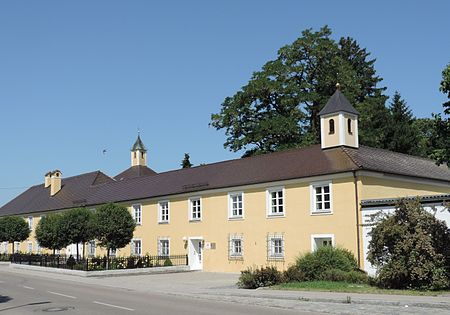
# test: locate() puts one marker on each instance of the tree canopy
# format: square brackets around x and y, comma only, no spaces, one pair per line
[114,226]
[51,233]
[442,123]
[279,106]
[13,229]
[186,163]
[78,226]
[410,249]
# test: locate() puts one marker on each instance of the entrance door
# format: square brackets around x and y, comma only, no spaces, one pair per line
[196,253]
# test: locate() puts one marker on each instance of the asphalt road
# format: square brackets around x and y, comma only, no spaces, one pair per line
[25,294]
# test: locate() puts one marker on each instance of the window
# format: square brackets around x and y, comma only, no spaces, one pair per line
[30,223]
[275,202]
[235,205]
[321,240]
[321,198]
[30,247]
[275,247]
[113,252]
[235,247]
[164,247]
[16,247]
[349,126]
[163,212]
[331,127]
[136,247]
[137,214]
[91,248]
[195,209]
[38,248]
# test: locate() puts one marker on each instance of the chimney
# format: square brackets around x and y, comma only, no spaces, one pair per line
[47,179]
[55,182]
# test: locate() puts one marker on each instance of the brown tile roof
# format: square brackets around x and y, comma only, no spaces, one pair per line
[74,193]
[291,164]
[135,171]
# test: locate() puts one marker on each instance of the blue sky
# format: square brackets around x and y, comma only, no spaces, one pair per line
[77,77]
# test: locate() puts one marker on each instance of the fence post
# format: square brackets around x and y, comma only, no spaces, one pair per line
[187,260]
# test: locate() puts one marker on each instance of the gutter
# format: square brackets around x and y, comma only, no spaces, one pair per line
[358,243]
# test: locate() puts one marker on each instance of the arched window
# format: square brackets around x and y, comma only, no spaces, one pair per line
[134,154]
[331,126]
[349,126]
[142,155]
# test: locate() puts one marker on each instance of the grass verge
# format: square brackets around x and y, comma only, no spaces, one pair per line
[336,286]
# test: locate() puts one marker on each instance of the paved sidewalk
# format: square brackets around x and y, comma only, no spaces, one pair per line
[221,286]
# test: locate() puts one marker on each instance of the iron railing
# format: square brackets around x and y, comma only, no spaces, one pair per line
[99,263]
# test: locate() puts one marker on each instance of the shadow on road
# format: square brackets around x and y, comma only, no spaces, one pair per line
[4,299]
[18,306]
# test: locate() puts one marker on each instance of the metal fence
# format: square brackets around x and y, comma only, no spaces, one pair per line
[99,263]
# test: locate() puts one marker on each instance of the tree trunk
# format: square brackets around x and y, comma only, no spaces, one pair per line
[12,243]
[107,258]
[78,253]
[54,251]
[84,254]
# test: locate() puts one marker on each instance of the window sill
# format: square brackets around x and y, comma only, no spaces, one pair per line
[163,222]
[276,258]
[240,218]
[321,212]
[276,215]
[195,220]
[234,258]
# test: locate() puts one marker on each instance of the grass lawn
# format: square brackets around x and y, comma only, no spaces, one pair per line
[331,286]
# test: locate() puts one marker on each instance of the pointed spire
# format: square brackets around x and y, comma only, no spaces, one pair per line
[139,145]
[338,103]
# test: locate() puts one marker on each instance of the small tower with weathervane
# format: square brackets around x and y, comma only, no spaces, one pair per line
[338,122]
[138,153]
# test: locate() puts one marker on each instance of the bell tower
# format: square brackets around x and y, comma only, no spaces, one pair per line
[338,122]
[138,153]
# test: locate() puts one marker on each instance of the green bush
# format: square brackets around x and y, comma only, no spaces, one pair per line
[293,274]
[167,262]
[255,278]
[326,258]
[354,276]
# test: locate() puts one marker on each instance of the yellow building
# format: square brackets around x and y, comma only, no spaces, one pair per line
[262,210]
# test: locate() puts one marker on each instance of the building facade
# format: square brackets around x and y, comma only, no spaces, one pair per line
[262,210]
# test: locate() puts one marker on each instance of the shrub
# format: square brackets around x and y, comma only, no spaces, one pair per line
[354,276]
[167,262]
[293,274]
[255,278]
[410,249]
[326,258]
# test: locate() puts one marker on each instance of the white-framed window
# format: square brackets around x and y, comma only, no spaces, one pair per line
[113,252]
[276,202]
[275,247]
[137,213]
[321,240]
[57,252]
[236,205]
[235,246]
[321,198]
[16,247]
[163,246]
[195,209]
[4,248]
[91,248]
[136,247]
[163,212]
[30,248]
[38,248]
[30,223]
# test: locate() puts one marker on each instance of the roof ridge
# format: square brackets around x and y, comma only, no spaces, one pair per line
[344,149]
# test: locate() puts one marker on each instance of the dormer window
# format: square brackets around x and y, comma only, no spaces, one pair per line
[331,126]
[349,126]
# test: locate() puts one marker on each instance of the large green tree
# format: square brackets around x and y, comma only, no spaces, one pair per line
[279,106]
[114,227]
[442,123]
[78,226]
[13,229]
[50,232]
[402,134]
[410,249]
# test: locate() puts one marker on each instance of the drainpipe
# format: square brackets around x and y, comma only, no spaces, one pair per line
[358,245]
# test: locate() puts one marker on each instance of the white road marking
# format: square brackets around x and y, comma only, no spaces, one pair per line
[29,288]
[116,306]
[60,294]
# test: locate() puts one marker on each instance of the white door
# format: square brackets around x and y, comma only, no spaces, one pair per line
[196,254]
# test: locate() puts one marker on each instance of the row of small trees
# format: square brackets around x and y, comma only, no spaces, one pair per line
[111,225]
